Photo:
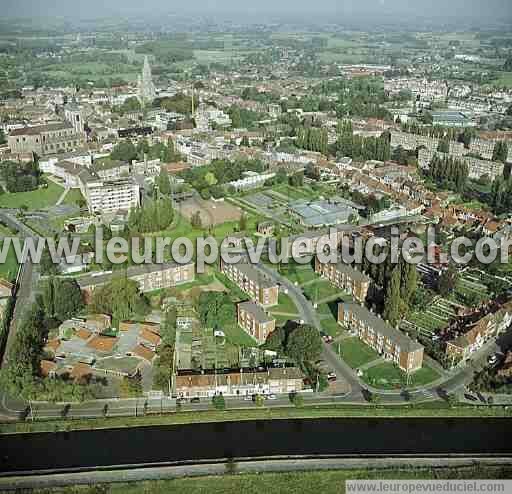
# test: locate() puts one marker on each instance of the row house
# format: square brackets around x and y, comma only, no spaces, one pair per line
[272,381]
[261,289]
[346,278]
[477,334]
[387,341]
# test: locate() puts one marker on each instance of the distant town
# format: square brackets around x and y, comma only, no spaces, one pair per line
[253,134]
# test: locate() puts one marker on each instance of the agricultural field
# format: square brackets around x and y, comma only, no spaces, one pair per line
[435,317]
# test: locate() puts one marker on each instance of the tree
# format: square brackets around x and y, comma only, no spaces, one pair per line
[131,387]
[124,151]
[236,117]
[120,298]
[304,344]
[444,146]
[3,139]
[163,183]
[276,341]
[196,221]
[218,402]
[447,281]
[393,306]
[409,283]
[62,299]
[243,223]
[296,399]
[500,152]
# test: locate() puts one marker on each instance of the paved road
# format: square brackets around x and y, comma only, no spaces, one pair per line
[27,279]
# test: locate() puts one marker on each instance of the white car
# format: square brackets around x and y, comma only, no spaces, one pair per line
[271,397]
[492,360]
[248,398]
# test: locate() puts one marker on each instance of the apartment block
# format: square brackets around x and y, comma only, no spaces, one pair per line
[150,277]
[110,196]
[255,321]
[387,341]
[345,278]
[477,168]
[261,289]
[45,139]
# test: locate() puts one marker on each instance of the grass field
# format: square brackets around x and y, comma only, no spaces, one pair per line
[298,274]
[310,482]
[36,199]
[505,80]
[321,290]
[237,336]
[73,197]
[285,306]
[355,353]
[9,269]
[387,376]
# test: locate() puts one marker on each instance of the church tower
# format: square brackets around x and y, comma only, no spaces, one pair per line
[73,114]
[147,90]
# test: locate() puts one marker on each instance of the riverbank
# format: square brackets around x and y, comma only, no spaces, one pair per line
[425,410]
[291,482]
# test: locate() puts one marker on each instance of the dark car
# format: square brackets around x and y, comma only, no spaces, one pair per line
[195,400]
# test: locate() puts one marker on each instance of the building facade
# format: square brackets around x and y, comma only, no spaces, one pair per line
[345,278]
[45,139]
[110,196]
[261,289]
[389,342]
[273,381]
[255,321]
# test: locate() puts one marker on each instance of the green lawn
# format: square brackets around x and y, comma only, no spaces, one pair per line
[73,197]
[331,326]
[286,305]
[355,353]
[388,376]
[298,274]
[237,336]
[36,199]
[321,290]
[504,80]
[9,269]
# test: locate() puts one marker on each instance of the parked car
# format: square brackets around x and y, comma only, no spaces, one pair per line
[248,398]
[331,376]
[327,338]
[195,400]
[271,397]
[493,360]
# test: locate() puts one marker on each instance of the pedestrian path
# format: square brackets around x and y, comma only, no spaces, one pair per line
[63,196]
[373,363]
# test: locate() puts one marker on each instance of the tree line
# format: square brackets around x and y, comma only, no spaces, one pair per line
[448,173]
[361,148]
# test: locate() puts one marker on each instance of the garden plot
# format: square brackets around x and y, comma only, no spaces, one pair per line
[434,318]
